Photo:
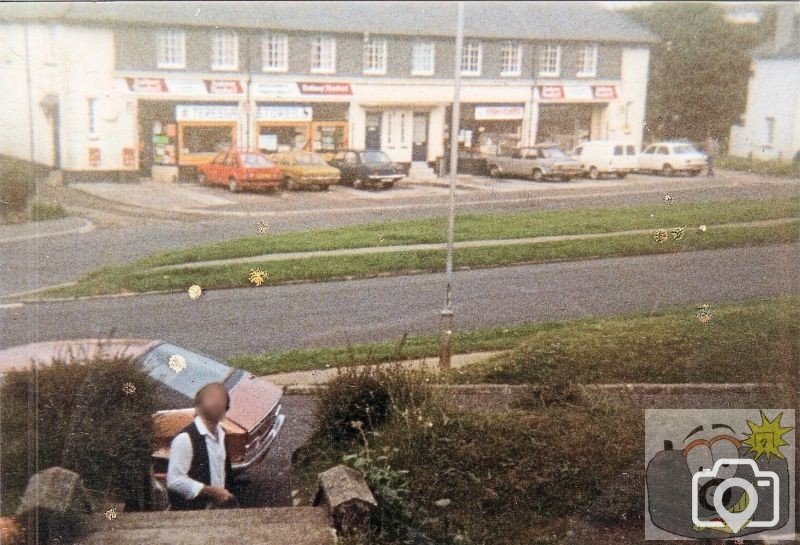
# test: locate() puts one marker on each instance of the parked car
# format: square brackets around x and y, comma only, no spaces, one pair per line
[671,157]
[537,162]
[305,169]
[251,425]
[367,168]
[599,157]
[241,170]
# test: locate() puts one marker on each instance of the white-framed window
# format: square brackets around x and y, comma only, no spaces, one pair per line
[375,56]
[511,60]
[224,50]
[587,61]
[550,60]
[471,59]
[91,117]
[171,48]
[770,130]
[423,56]
[275,53]
[323,55]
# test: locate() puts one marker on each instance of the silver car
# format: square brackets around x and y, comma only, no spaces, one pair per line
[536,163]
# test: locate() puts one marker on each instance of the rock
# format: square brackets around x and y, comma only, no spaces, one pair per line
[349,500]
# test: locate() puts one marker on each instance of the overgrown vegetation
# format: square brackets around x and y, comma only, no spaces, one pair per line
[16,188]
[41,211]
[92,417]
[462,477]
[756,166]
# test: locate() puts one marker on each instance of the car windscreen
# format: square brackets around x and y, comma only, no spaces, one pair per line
[553,153]
[308,159]
[255,160]
[684,149]
[375,157]
[199,369]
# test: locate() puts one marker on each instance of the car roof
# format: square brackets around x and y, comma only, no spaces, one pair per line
[18,357]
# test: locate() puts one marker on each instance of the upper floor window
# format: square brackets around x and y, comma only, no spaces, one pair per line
[224,50]
[171,49]
[91,120]
[587,61]
[770,130]
[375,56]
[511,60]
[471,59]
[550,60]
[275,53]
[323,55]
[422,59]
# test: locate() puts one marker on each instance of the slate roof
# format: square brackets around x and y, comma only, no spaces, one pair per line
[568,21]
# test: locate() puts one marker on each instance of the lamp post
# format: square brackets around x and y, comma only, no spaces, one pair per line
[446,340]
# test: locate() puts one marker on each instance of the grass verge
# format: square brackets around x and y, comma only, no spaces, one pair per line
[756,166]
[132,278]
[667,346]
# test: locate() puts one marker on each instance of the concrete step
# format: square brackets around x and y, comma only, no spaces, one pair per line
[258,526]
[421,171]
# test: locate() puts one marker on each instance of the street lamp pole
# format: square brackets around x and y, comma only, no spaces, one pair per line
[446,342]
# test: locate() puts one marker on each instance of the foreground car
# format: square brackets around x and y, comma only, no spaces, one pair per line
[251,425]
[367,168]
[537,162]
[305,169]
[671,157]
[241,170]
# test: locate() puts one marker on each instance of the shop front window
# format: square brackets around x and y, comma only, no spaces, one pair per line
[282,138]
[329,138]
[205,140]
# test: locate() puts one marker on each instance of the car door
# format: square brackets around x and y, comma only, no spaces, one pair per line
[217,167]
[647,160]
[662,157]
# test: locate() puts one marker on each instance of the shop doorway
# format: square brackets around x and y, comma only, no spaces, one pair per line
[372,141]
[419,150]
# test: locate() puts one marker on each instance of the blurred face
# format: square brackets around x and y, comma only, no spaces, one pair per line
[212,403]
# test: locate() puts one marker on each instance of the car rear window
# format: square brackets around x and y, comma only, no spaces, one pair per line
[256,161]
[199,371]
[375,157]
[618,150]
[631,150]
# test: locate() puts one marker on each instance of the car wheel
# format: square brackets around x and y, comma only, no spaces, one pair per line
[232,185]
[667,170]
[694,173]
[388,185]
[621,175]
[201,179]
[537,175]
[594,174]
[358,183]
[290,184]
[494,171]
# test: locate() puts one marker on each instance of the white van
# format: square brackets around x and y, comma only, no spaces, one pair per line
[598,157]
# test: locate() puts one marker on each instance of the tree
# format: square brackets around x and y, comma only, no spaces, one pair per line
[699,70]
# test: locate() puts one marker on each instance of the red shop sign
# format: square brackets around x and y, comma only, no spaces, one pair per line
[330,88]
[223,86]
[94,157]
[550,92]
[147,85]
[604,91]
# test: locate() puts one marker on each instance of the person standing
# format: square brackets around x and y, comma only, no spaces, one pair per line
[712,150]
[199,475]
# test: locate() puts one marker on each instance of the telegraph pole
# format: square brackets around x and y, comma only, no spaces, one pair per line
[446,342]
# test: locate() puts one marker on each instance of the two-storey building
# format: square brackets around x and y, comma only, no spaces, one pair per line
[157,88]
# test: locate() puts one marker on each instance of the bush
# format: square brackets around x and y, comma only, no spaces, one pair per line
[78,417]
[16,186]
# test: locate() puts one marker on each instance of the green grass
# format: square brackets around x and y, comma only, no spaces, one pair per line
[667,346]
[757,341]
[756,166]
[41,211]
[130,278]
[486,227]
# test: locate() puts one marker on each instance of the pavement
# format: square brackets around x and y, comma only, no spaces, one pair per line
[48,228]
[254,320]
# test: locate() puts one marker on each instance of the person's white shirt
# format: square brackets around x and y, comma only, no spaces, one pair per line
[180,460]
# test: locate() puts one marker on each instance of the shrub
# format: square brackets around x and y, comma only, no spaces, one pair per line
[78,416]
[16,186]
[41,211]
